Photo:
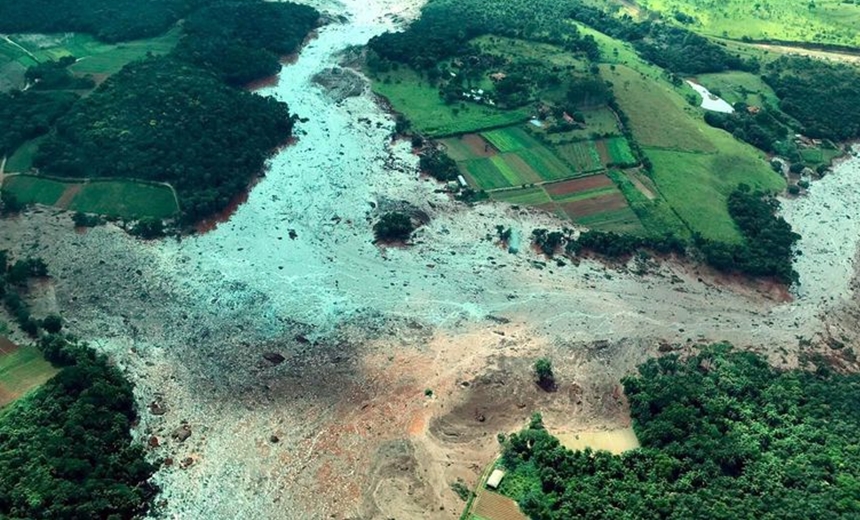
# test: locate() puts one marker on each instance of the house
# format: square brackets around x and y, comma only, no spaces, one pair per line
[498,76]
[462,181]
[495,478]
[567,118]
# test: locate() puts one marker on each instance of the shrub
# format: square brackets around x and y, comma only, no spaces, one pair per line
[393,227]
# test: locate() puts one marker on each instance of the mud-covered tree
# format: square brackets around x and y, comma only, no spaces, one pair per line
[544,374]
[393,227]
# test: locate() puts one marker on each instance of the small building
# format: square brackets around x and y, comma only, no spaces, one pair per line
[567,118]
[495,479]
[462,181]
[498,76]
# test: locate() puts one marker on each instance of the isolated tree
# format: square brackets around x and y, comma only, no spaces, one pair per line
[393,227]
[544,374]
[52,323]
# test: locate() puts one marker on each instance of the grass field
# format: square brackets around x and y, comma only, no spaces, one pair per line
[22,159]
[658,115]
[735,86]
[420,102]
[119,198]
[697,185]
[619,151]
[534,196]
[21,370]
[829,21]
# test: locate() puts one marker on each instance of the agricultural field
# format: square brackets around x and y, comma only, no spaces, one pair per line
[21,370]
[493,506]
[820,155]
[822,21]
[22,159]
[116,198]
[616,151]
[420,102]
[583,155]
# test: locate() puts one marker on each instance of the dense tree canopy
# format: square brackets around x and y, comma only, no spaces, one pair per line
[821,95]
[25,115]
[66,449]
[242,41]
[724,436]
[163,120]
[108,20]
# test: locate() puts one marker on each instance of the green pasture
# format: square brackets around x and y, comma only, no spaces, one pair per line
[583,156]
[824,21]
[546,164]
[21,371]
[735,86]
[697,185]
[485,174]
[118,198]
[457,149]
[820,155]
[22,159]
[524,50]
[658,115]
[419,101]
[587,194]
[30,189]
[94,57]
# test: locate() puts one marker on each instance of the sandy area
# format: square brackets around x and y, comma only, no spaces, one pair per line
[300,365]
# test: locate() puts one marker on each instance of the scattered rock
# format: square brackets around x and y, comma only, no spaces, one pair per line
[153,442]
[186,462]
[181,433]
[274,358]
[156,408]
[274,439]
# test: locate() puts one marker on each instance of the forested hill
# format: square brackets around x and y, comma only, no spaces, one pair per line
[178,118]
[724,436]
[108,20]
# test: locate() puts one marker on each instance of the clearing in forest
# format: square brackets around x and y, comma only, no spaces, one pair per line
[113,198]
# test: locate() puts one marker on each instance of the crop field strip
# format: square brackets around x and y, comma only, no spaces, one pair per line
[21,370]
[493,506]
[120,198]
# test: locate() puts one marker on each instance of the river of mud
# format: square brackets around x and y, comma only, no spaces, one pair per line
[298,352]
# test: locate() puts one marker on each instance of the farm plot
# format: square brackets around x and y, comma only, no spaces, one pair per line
[468,146]
[583,156]
[510,139]
[116,198]
[493,506]
[21,370]
[534,196]
[616,151]
[546,164]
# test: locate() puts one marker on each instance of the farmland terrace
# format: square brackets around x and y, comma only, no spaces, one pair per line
[284,355]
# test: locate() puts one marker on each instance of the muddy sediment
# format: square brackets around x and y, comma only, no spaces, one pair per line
[287,367]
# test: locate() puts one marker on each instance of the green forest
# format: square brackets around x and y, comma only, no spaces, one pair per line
[165,120]
[66,449]
[724,436]
[178,118]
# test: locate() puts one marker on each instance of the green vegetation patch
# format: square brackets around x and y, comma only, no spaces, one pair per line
[30,189]
[510,139]
[656,216]
[619,151]
[723,435]
[486,175]
[127,199]
[582,156]
[587,194]
[22,370]
[22,159]
[622,220]
[420,102]
[739,87]
[546,164]
[599,122]
[657,113]
[697,185]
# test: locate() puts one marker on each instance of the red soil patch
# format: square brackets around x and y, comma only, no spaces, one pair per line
[68,195]
[271,81]
[586,207]
[603,151]
[494,506]
[207,225]
[6,346]
[549,207]
[479,146]
[559,189]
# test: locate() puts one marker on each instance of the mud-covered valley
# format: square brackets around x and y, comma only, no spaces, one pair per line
[282,360]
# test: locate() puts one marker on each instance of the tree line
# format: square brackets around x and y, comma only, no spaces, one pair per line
[723,435]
